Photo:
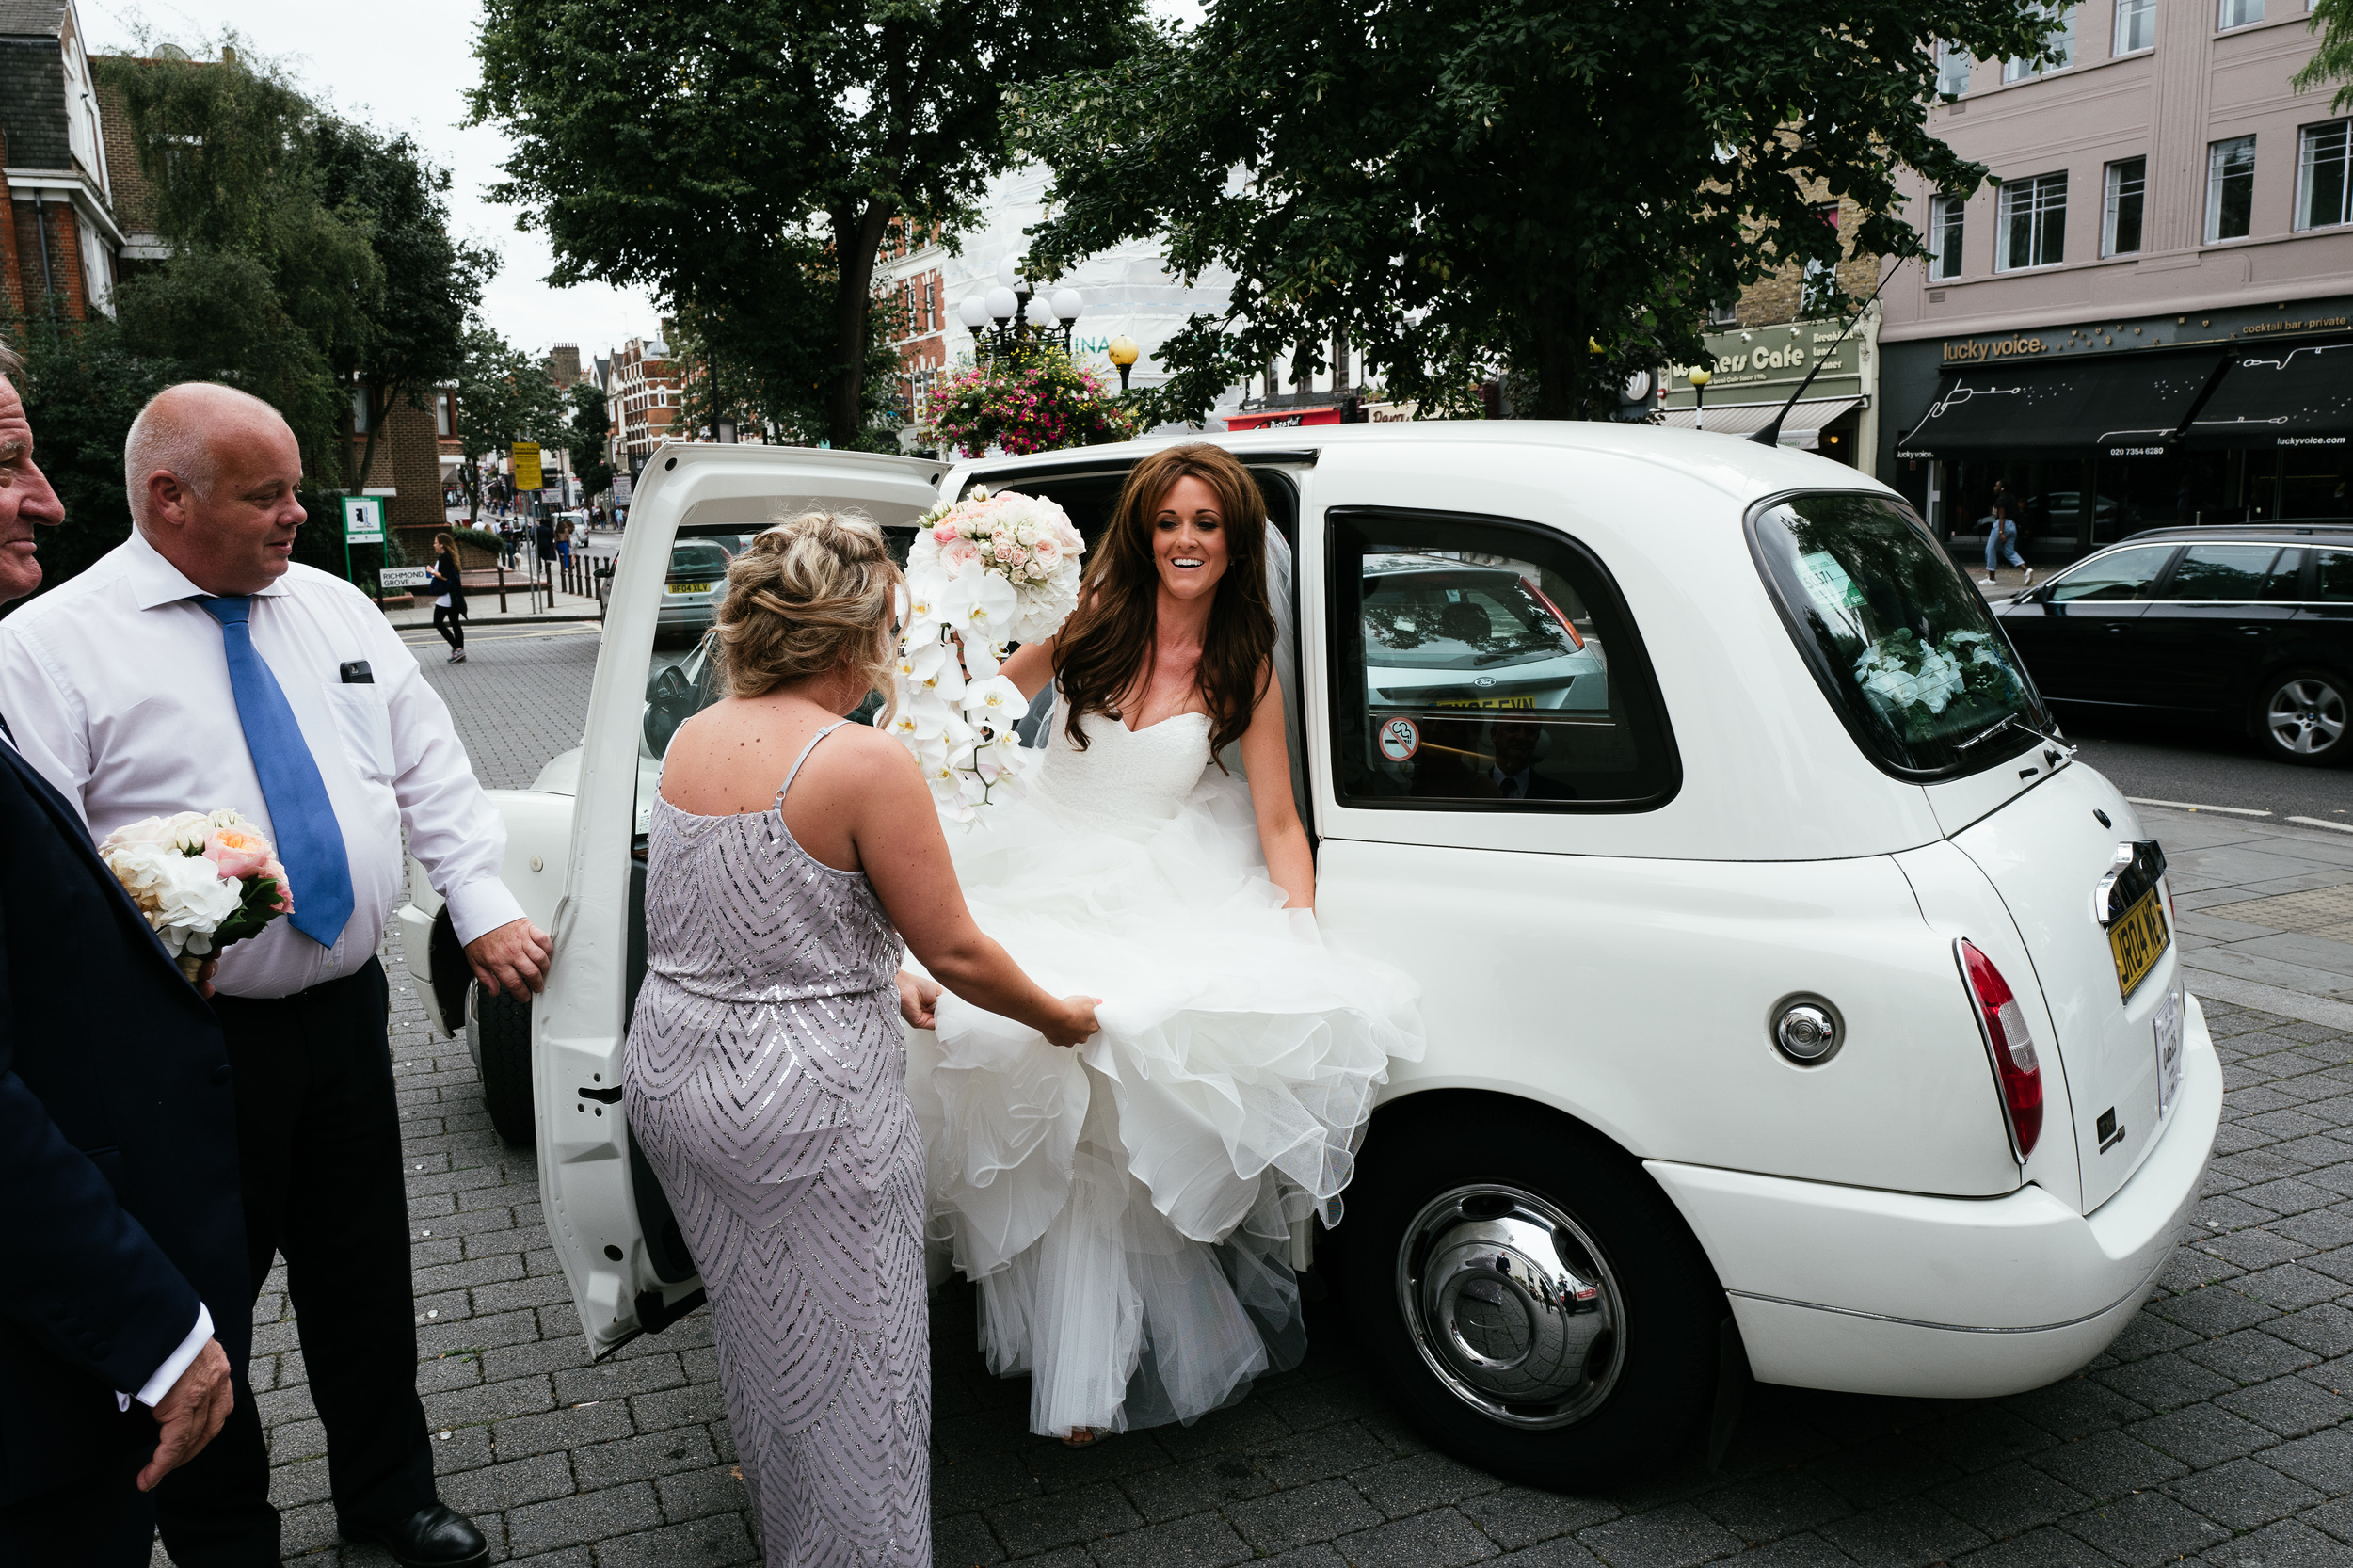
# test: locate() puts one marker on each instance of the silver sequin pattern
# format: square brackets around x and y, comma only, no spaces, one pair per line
[766,1080]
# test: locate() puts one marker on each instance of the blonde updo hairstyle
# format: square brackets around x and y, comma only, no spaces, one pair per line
[809,595]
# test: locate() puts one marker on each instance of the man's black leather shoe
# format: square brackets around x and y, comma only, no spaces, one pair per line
[436,1537]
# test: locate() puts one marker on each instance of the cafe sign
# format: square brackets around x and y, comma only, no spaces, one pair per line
[1775,358]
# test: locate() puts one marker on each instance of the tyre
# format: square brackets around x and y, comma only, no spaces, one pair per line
[498,1033]
[1528,1293]
[2301,717]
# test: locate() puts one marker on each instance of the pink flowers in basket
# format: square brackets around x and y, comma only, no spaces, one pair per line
[202,879]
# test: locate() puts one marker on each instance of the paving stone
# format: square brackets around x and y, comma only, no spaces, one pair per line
[1773,1506]
[2164,1381]
[2290,1406]
[1294,1518]
[2290,1287]
[965,1541]
[1438,1539]
[1089,1514]
[1405,1486]
[495,1488]
[2252,1354]
[1912,1531]
[2109,1464]
[2291,1545]
[1518,1516]
[978,1480]
[2042,1548]
[717,1540]
[583,1517]
[2201,1434]
[719,1489]
[1204,1540]
[1329,1451]
[2076,1408]
[2243,1493]
[2213,1311]
[559,1431]
[2324,1460]
[1796,1551]
[663,1453]
[2009,1499]
[2145,1528]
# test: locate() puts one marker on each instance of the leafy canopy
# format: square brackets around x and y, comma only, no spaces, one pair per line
[744,158]
[1497,182]
[504,396]
[2333,60]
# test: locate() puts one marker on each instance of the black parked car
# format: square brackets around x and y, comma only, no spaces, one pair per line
[2249,625]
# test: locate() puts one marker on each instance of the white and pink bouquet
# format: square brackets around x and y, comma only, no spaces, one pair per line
[202,879]
[986,572]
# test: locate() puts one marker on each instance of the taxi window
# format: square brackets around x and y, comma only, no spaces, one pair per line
[1492,667]
[2123,574]
[2214,573]
[1899,640]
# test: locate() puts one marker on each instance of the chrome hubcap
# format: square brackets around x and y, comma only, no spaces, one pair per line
[2307,716]
[1512,1305]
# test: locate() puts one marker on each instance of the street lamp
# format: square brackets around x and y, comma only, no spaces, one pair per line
[1124,353]
[1699,376]
[1066,304]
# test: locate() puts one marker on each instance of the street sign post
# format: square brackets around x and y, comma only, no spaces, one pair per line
[363,523]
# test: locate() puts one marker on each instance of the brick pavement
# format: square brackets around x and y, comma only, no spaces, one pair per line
[2212,1431]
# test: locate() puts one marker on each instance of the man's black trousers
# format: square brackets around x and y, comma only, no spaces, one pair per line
[318,1149]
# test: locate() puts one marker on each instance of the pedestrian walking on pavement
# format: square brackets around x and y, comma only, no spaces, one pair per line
[564,543]
[121,684]
[449,603]
[542,544]
[2001,535]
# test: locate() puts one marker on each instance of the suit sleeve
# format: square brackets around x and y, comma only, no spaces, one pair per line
[82,1277]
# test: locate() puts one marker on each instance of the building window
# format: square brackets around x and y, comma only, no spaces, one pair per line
[1944,231]
[2135,26]
[2061,38]
[360,410]
[444,414]
[2034,222]
[2239,13]
[2323,194]
[1724,312]
[2229,188]
[1819,289]
[2120,218]
[1952,70]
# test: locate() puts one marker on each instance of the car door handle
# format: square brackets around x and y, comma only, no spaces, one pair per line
[608,1096]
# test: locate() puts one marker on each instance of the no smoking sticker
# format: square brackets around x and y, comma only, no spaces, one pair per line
[1400,740]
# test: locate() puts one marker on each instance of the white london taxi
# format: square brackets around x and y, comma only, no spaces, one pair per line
[1797,1006]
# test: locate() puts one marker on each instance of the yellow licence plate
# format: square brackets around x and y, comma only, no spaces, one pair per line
[690,587]
[2137,940]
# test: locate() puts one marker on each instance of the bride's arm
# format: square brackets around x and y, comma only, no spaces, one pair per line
[1266,757]
[904,854]
[1031,667]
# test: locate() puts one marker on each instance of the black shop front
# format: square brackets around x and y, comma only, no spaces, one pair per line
[2095,432]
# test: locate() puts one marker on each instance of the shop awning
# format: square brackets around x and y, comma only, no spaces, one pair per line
[2279,394]
[1278,418]
[2089,406]
[1804,427]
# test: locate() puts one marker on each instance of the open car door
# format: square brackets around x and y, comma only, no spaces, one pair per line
[611,1227]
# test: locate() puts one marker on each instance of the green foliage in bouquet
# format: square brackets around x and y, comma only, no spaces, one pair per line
[1040,402]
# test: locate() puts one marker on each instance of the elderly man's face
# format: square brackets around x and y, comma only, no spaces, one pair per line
[26,501]
[237,538]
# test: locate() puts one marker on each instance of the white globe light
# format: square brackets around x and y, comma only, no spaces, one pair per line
[973,311]
[1008,276]
[1001,303]
[1067,304]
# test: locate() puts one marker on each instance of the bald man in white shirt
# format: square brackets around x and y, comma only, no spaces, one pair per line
[196,666]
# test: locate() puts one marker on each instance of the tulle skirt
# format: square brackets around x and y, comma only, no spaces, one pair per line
[1126,1207]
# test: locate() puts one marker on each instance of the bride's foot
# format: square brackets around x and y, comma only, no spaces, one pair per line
[1080,1437]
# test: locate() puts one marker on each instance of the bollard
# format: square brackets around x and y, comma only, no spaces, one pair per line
[502,587]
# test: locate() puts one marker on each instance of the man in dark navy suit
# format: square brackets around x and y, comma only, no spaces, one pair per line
[118,1162]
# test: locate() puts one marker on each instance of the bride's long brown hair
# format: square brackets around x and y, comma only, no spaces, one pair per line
[1103,654]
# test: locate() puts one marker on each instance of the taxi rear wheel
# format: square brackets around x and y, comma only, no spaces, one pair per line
[498,1031]
[2305,715]
[1528,1293]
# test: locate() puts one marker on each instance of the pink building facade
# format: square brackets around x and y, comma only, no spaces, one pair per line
[2150,319]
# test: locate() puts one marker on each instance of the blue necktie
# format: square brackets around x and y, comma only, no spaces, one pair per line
[310,840]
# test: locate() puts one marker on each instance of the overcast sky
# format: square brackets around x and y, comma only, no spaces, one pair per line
[401,66]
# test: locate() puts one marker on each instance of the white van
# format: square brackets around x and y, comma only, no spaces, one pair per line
[1794,998]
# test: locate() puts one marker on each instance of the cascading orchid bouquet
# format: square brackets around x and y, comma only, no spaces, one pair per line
[985,571]
[202,879]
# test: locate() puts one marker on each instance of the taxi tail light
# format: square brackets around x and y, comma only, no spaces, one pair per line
[2010,1044]
[1566,625]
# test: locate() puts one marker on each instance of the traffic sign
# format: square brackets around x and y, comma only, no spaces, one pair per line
[526,460]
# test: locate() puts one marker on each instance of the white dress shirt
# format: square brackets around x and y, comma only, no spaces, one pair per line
[117,688]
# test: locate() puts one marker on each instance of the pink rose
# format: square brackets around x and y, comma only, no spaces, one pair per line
[277,873]
[945,531]
[956,555]
[237,853]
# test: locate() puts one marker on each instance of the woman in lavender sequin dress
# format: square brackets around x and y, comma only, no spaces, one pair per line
[766,1073]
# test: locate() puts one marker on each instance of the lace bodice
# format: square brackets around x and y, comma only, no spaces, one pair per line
[1124,776]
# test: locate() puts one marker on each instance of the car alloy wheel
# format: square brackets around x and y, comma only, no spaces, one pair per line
[2304,717]
[1512,1305]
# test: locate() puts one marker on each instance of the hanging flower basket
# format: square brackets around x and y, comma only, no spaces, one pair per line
[1038,402]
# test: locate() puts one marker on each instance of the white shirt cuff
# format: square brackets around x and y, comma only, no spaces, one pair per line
[176,1363]
[481,906]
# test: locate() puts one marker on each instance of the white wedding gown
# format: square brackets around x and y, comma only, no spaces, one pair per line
[1125,1207]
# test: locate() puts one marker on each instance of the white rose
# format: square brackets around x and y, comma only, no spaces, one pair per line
[194,895]
[182,830]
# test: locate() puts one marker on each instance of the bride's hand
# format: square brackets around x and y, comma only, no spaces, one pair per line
[1076,1023]
[917,998]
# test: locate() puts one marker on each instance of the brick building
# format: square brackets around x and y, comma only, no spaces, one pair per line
[913,285]
[61,240]
[642,393]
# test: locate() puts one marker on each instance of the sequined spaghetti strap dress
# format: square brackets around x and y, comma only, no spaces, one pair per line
[766,1080]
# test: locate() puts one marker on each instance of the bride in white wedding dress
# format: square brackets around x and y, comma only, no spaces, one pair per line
[1125,1207]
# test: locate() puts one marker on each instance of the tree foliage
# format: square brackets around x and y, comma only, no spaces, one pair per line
[1498,182]
[2333,61]
[744,158]
[504,396]
[591,425]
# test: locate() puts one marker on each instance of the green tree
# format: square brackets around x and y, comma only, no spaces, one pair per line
[1498,182]
[504,396]
[82,387]
[592,424]
[2333,61]
[744,158]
